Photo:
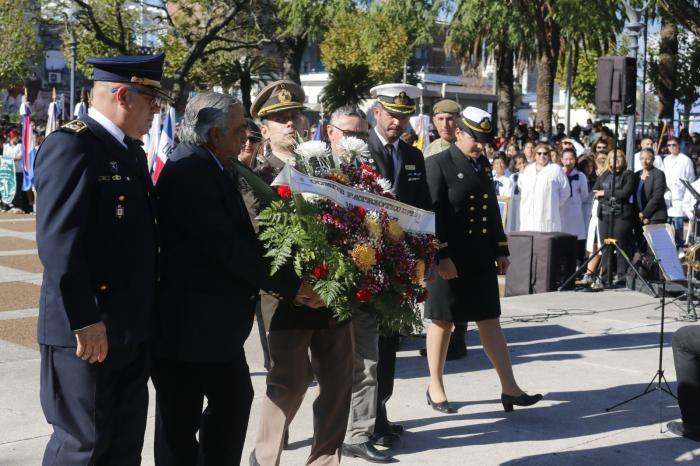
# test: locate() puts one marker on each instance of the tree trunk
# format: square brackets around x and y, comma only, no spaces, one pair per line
[687,108]
[246,85]
[292,58]
[546,71]
[504,80]
[668,53]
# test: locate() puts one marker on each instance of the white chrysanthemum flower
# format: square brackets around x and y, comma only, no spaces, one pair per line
[351,148]
[312,149]
[384,184]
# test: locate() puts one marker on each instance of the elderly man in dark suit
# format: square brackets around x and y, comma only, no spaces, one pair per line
[212,269]
[375,355]
[98,242]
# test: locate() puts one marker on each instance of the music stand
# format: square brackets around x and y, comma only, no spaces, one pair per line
[690,314]
[660,240]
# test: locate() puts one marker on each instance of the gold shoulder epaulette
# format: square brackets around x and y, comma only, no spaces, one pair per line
[75,127]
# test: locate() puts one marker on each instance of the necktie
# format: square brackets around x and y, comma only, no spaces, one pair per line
[515,181]
[475,164]
[571,185]
[390,169]
[497,184]
[643,195]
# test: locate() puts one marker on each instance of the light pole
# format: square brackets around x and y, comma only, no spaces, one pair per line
[69,15]
[634,26]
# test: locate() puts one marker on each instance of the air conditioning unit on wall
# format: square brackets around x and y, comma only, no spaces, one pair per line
[54,78]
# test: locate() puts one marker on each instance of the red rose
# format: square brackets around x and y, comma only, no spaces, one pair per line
[320,272]
[360,211]
[284,191]
[423,296]
[366,168]
[363,295]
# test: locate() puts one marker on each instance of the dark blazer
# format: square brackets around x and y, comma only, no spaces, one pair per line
[624,192]
[97,235]
[411,187]
[212,263]
[654,189]
[467,217]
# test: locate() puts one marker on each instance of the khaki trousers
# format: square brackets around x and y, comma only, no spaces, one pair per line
[287,382]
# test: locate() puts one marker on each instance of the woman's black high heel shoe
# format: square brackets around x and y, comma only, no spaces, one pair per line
[443,407]
[522,400]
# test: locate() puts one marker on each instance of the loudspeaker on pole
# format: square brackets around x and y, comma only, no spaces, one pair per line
[616,86]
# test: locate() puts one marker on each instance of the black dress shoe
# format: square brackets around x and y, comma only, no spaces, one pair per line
[522,400]
[396,428]
[253,461]
[385,439]
[684,430]
[367,452]
[443,406]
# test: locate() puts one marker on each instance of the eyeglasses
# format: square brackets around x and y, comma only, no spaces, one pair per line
[253,139]
[154,101]
[541,153]
[353,134]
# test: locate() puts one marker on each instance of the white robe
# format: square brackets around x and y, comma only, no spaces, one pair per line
[541,195]
[677,169]
[571,211]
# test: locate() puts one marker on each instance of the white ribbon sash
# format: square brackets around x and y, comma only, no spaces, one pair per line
[410,218]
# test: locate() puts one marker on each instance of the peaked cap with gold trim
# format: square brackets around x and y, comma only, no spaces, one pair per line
[397,98]
[278,96]
[143,70]
[477,123]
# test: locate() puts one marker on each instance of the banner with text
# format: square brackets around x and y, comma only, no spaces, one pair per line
[410,218]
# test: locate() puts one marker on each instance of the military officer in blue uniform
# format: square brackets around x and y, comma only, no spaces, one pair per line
[97,236]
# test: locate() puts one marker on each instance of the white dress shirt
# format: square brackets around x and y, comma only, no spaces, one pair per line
[397,159]
[107,124]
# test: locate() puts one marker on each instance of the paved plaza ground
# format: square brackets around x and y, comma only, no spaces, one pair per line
[583,351]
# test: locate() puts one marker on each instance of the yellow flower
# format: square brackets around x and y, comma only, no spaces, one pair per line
[373,227]
[419,272]
[364,257]
[340,176]
[394,231]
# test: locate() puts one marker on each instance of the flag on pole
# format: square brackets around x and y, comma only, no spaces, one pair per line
[80,109]
[166,143]
[52,118]
[151,140]
[25,112]
[421,125]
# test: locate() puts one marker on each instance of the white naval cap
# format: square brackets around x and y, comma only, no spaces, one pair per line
[397,97]
[477,123]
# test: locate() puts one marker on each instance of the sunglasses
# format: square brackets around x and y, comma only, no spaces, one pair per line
[542,153]
[353,134]
[671,145]
[253,139]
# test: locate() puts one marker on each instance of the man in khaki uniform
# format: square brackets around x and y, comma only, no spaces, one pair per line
[296,331]
[445,114]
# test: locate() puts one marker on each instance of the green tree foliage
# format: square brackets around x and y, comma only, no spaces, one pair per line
[371,39]
[347,85]
[196,35]
[20,49]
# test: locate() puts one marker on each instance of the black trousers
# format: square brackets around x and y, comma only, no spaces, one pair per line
[180,390]
[622,232]
[686,357]
[386,367]
[97,411]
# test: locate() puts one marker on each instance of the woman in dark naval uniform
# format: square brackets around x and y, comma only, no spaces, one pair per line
[472,250]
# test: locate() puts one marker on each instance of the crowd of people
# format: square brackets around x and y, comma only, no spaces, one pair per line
[164,283]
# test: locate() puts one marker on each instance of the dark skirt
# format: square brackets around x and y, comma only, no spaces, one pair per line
[471,297]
